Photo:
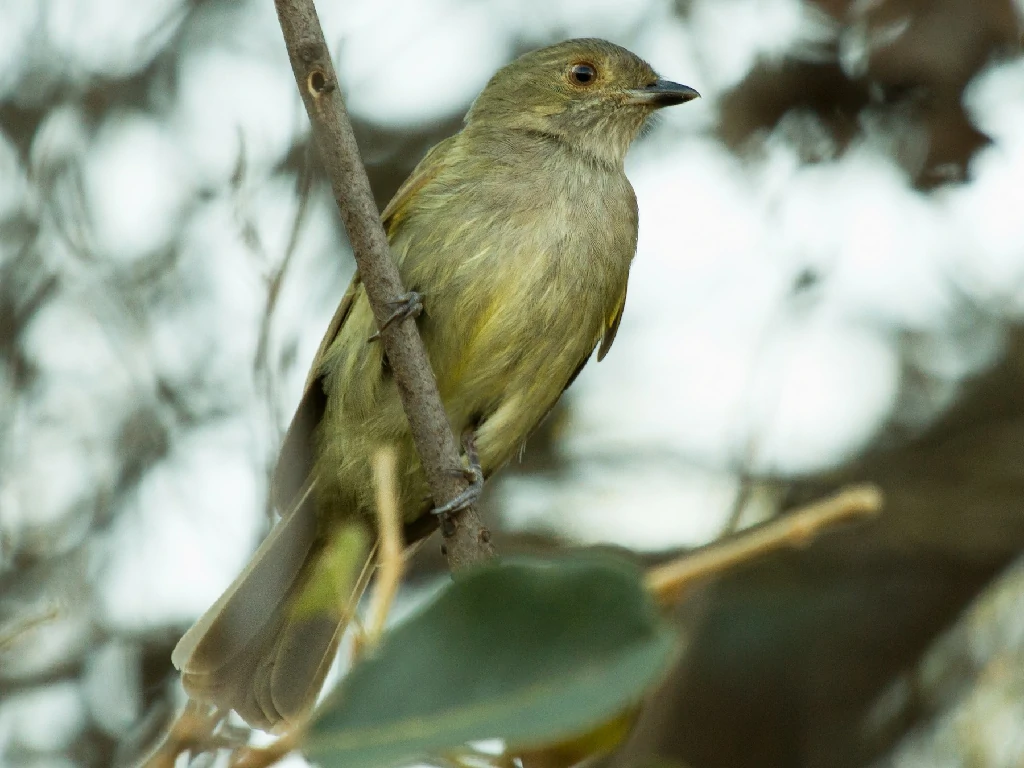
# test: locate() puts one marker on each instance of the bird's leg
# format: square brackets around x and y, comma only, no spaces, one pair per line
[473,473]
[407,305]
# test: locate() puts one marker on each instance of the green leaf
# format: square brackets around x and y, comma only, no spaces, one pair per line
[532,651]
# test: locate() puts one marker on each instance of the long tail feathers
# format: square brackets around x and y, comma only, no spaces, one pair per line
[265,647]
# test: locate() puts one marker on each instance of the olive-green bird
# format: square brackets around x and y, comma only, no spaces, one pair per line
[518,233]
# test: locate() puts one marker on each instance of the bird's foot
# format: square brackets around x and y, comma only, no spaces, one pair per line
[473,474]
[405,306]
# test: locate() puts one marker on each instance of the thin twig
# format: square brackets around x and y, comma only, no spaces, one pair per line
[389,552]
[262,757]
[275,280]
[20,627]
[739,505]
[670,580]
[467,541]
[192,731]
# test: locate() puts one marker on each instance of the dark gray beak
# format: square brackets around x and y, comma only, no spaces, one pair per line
[662,93]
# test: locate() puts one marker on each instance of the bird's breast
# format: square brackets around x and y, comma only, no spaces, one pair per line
[522,277]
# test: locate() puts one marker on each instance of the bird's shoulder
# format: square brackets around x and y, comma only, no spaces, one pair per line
[433,163]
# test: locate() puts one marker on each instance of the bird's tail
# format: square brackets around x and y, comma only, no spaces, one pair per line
[264,648]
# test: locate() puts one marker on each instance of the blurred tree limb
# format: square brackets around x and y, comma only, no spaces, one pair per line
[17,629]
[467,541]
[669,581]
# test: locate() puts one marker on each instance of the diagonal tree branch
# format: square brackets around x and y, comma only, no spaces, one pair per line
[670,581]
[466,540]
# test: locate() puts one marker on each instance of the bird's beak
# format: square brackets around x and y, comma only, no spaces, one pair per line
[661,93]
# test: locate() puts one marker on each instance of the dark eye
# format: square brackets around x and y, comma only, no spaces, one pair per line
[582,73]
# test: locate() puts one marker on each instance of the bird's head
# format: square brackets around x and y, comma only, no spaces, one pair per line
[592,94]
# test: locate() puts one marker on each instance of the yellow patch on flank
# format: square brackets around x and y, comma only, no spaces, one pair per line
[614,316]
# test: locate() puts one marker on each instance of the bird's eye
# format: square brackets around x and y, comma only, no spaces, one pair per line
[582,74]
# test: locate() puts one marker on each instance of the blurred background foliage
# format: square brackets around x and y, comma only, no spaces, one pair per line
[829,287]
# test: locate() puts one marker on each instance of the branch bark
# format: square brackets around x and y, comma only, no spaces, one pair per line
[466,539]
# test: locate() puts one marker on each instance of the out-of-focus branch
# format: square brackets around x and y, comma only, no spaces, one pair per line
[191,731]
[467,541]
[669,581]
[10,634]
[263,369]
[252,757]
[391,563]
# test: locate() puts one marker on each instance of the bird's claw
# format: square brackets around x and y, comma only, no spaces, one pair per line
[405,306]
[474,476]
[464,500]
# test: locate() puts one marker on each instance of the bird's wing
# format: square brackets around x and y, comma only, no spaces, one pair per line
[605,341]
[422,174]
[295,462]
[612,328]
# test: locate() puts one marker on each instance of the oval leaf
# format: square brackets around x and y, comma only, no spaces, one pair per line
[532,651]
